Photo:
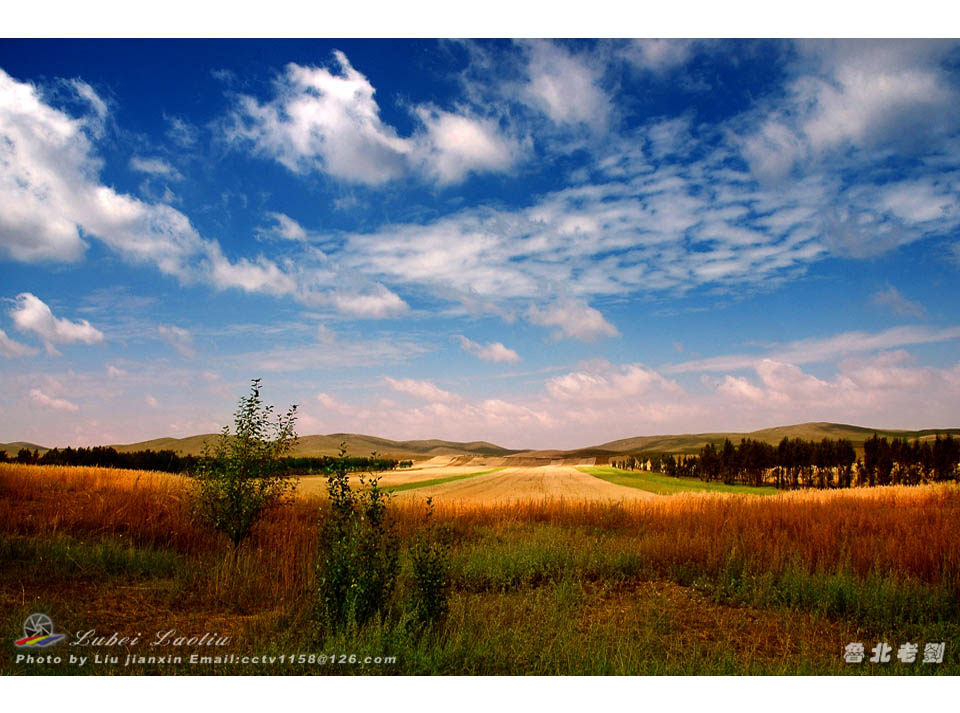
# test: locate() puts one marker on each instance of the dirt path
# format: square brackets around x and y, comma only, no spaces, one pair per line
[528,483]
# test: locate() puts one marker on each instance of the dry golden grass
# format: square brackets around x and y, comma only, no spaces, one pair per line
[909,531]
[621,562]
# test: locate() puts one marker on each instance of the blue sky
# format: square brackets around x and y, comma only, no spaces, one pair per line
[538,243]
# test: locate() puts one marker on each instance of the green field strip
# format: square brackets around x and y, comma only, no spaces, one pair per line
[437,481]
[665,485]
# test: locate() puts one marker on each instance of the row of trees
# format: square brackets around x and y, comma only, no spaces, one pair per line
[168,461]
[795,463]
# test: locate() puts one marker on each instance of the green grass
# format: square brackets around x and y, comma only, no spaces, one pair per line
[665,485]
[64,555]
[436,481]
[555,600]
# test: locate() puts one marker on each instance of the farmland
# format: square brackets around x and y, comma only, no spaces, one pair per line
[553,571]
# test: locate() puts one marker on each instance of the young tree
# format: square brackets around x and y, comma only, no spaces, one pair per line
[244,474]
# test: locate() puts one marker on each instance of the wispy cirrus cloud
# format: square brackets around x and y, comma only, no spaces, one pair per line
[892,298]
[817,350]
[178,338]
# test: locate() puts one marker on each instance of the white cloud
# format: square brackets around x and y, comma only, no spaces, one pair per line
[178,338]
[565,87]
[659,55]
[573,319]
[330,122]
[155,166]
[324,121]
[456,145]
[115,373]
[12,348]
[87,93]
[423,390]
[42,399]
[817,350]
[919,201]
[325,335]
[329,402]
[283,227]
[891,297]
[50,190]
[606,382]
[31,314]
[857,93]
[151,401]
[377,304]
[491,351]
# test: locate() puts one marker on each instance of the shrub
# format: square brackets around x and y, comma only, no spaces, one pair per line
[358,550]
[430,557]
[244,474]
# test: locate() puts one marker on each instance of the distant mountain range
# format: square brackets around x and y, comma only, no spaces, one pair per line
[358,444]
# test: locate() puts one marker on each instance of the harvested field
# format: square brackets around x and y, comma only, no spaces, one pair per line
[525,484]
[315,485]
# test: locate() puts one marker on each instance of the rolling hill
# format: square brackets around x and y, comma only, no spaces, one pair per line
[358,444]
[691,443]
[13,448]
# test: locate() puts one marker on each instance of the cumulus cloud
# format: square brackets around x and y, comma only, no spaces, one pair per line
[456,145]
[12,348]
[50,191]
[573,319]
[491,351]
[606,382]
[892,298]
[329,121]
[424,390]
[31,314]
[42,399]
[151,401]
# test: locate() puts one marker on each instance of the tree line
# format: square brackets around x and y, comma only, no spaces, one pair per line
[796,463]
[168,461]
